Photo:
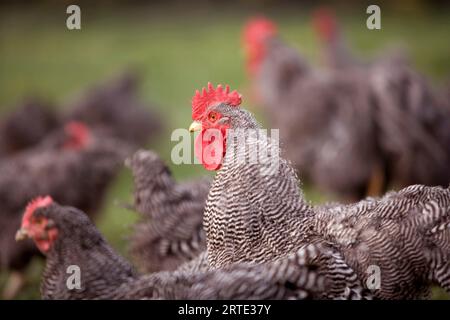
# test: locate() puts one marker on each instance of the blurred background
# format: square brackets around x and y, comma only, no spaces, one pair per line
[177,47]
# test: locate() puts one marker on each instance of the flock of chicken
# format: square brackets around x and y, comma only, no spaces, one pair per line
[72,156]
[353,129]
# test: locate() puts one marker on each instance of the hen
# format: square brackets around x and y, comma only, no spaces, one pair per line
[26,126]
[114,109]
[58,166]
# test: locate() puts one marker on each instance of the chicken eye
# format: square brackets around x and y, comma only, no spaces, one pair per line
[37,221]
[212,117]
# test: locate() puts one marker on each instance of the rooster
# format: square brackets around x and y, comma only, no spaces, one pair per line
[255,211]
[73,165]
[68,238]
[171,229]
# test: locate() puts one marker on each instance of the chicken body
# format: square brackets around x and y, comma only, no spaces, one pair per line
[80,244]
[412,118]
[256,213]
[171,228]
[26,126]
[324,120]
[355,129]
[106,275]
[413,124]
[78,177]
[114,110]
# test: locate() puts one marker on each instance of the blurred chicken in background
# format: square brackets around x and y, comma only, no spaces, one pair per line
[115,109]
[324,118]
[72,156]
[411,117]
[72,165]
[354,129]
[25,126]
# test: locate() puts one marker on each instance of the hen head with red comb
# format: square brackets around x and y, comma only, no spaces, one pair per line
[36,226]
[209,112]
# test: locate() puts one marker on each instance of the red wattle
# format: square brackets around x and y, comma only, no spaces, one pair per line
[209,148]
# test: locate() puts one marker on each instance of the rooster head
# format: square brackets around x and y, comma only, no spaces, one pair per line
[324,22]
[256,32]
[210,119]
[37,226]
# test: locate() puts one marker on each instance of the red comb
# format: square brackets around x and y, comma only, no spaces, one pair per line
[201,101]
[256,32]
[258,29]
[38,202]
[79,134]
[324,21]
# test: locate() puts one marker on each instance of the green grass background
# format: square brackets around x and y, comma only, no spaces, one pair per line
[177,50]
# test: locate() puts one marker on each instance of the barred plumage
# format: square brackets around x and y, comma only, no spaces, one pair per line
[80,244]
[405,233]
[304,274]
[256,215]
[105,275]
[171,228]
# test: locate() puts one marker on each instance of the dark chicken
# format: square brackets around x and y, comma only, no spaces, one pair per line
[325,120]
[26,126]
[412,121]
[115,110]
[112,109]
[58,230]
[256,213]
[413,125]
[71,165]
[68,238]
[171,228]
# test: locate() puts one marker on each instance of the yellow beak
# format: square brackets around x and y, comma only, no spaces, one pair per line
[21,234]
[195,126]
